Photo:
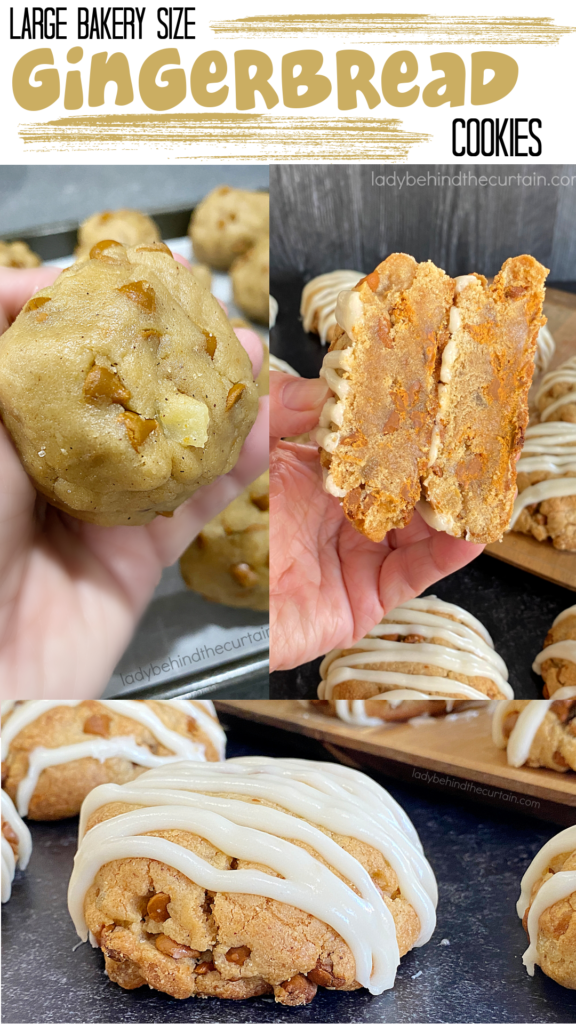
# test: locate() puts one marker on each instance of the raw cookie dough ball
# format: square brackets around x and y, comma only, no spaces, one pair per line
[124,387]
[251,281]
[226,224]
[228,561]
[130,227]
[18,254]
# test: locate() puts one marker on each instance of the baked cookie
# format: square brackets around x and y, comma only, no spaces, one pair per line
[485,375]
[55,751]
[18,254]
[545,507]
[124,387]
[364,713]
[430,379]
[228,561]
[250,276]
[424,650]
[281,366]
[227,223]
[556,663]
[375,432]
[318,302]
[547,907]
[249,877]
[538,733]
[129,227]
[16,845]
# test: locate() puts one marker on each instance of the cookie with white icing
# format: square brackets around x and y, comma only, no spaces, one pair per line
[253,876]
[538,733]
[16,844]
[318,302]
[545,349]
[363,713]
[55,751]
[556,662]
[547,907]
[424,650]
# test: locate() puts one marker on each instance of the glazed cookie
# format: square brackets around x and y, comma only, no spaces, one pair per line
[375,712]
[556,395]
[227,223]
[424,650]
[129,227]
[228,561]
[124,387]
[545,349]
[18,254]
[545,507]
[556,663]
[250,276]
[16,845]
[249,877]
[318,302]
[547,907]
[54,752]
[538,733]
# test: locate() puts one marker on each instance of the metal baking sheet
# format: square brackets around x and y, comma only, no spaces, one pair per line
[471,970]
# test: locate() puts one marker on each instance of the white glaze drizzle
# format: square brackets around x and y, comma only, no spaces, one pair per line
[564,374]
[560,886]
[565,649]
[272,311]
[545,349]
[9,860]
[471,655]
[117,746]
[281,366]
[319,299]
[555,487]
[519,743]
[566,614]
[310,794]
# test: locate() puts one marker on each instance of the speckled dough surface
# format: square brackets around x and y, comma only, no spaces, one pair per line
[124,387]
[250,276]
[18,254]
[61,787]
[227,223]
[130,227]
[228,561]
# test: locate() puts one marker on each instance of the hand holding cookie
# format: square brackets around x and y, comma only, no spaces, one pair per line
[329,584]
[71,591]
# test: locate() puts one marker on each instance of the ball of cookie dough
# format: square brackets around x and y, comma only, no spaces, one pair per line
[130,227]
[18,254]
[227,223]
[124,387]
[228,561]
[203,274]
[251,281]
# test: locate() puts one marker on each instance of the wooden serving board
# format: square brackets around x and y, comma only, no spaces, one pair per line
[436,752]
[541,558]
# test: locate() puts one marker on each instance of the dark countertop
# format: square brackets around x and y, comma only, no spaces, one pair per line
[478,855]
[516,607]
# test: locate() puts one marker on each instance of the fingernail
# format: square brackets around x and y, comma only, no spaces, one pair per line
[300,395]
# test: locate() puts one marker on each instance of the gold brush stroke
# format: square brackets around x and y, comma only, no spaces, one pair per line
[407,28]
[273,138]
